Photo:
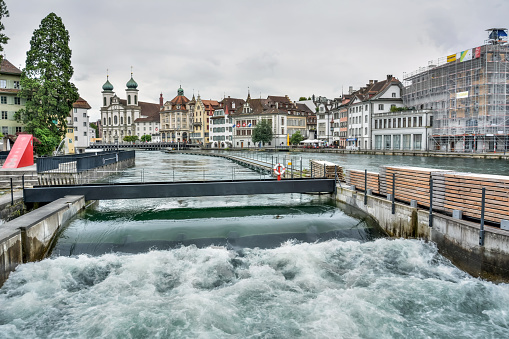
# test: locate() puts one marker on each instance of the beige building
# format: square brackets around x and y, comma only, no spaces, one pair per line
[202,113]
[9,101]
[175,119]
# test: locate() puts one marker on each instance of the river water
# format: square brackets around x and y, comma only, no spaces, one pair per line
[279,266]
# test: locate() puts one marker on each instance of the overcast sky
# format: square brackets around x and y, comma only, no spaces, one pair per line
[274,47]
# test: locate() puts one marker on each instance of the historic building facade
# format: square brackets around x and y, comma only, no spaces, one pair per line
[79,131]
[175,119]
[119,117]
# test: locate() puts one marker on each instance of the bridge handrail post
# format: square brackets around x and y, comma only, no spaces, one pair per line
[481,230]
[430,223]
[301,167]
[393,192]
[365,187]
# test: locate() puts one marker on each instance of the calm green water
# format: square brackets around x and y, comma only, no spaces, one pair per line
[275,266]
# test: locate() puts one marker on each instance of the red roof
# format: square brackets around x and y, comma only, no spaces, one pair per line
[81,103]
[7,67]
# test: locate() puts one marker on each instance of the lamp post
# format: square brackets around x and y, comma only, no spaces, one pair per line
[332,130]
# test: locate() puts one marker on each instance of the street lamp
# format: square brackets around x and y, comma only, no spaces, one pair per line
[332,130]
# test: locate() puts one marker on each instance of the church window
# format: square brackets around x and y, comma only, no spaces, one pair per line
[111,100]
[104,101]
[105,121]
[121,120]
[115,120]
[136,100]
[109,121]
[129,120]
[128,99]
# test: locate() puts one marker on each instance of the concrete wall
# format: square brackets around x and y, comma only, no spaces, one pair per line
[457,240]
[30,237]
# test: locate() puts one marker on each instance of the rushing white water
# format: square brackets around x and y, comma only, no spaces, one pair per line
[333,289]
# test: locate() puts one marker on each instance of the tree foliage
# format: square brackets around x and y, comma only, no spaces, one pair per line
[262,132]
[130,138]
[146,138]
[303,99]
[296,138]
[94,126]
[3,38]
[45,84]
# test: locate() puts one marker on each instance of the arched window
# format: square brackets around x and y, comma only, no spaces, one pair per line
[104,101]
[121,120]
[111,100]
[105,121]
[136,100]
[115,120]
[128,99]
[109,121]
[129,120]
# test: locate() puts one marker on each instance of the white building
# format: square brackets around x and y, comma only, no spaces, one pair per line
[376,97]
[119,116]
[78,123]
[325,121]
[402,130]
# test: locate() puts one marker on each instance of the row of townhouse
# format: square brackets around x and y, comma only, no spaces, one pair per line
[79,133]
[226,123]
[373,117]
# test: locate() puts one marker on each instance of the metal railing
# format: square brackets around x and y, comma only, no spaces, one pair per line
[81,162]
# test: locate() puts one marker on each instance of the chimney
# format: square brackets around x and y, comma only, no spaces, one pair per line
[371,82]
[389,77]
[350,90]
[161,100]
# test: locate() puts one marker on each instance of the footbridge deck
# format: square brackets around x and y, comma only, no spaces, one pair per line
[180,189]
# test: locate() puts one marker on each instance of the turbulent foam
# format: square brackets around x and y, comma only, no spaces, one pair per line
[333,289]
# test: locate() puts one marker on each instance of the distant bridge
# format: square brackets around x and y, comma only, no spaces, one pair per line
[180,189]
[147,146]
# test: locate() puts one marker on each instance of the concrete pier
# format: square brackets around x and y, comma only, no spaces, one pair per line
[457,240]
[30,236]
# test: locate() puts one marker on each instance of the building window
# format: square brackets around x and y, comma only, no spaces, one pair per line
[115,120]
[76,138]
[18,129]
[109,121]
[104,101]
[84,115]
[380,107]
[3,100]
[128,99]
[84,134]
[16,84]
[5,130]
[104,121]
[129,120]
[85,124]
[3,83]
[75,119]
[393,95]
[136,100]
[4,115]
[121,120]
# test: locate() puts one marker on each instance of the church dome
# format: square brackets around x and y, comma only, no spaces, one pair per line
[107,86]
[131,84]
[180,91]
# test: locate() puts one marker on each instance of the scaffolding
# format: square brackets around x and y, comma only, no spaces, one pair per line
[469,98]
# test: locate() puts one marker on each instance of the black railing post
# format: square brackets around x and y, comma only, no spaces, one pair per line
[301,167]
[430,224]
[365,187]
[393,192]
[481,231]
[12,194]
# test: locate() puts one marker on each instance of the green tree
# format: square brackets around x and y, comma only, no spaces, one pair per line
[3,38]
[130,138]
[94,126]
[303,99]
[262,132]
[296,138]
[146,138]
[45,84]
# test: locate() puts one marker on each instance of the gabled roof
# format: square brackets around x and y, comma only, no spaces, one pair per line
[81,103]
[150,110]
[227,102]
[7,68]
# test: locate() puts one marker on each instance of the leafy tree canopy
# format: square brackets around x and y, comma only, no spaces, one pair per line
[262,132]
[303,99]
[130,138]
[94,126]
[296,138]
[3,38]
[146,138]
[45,84]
